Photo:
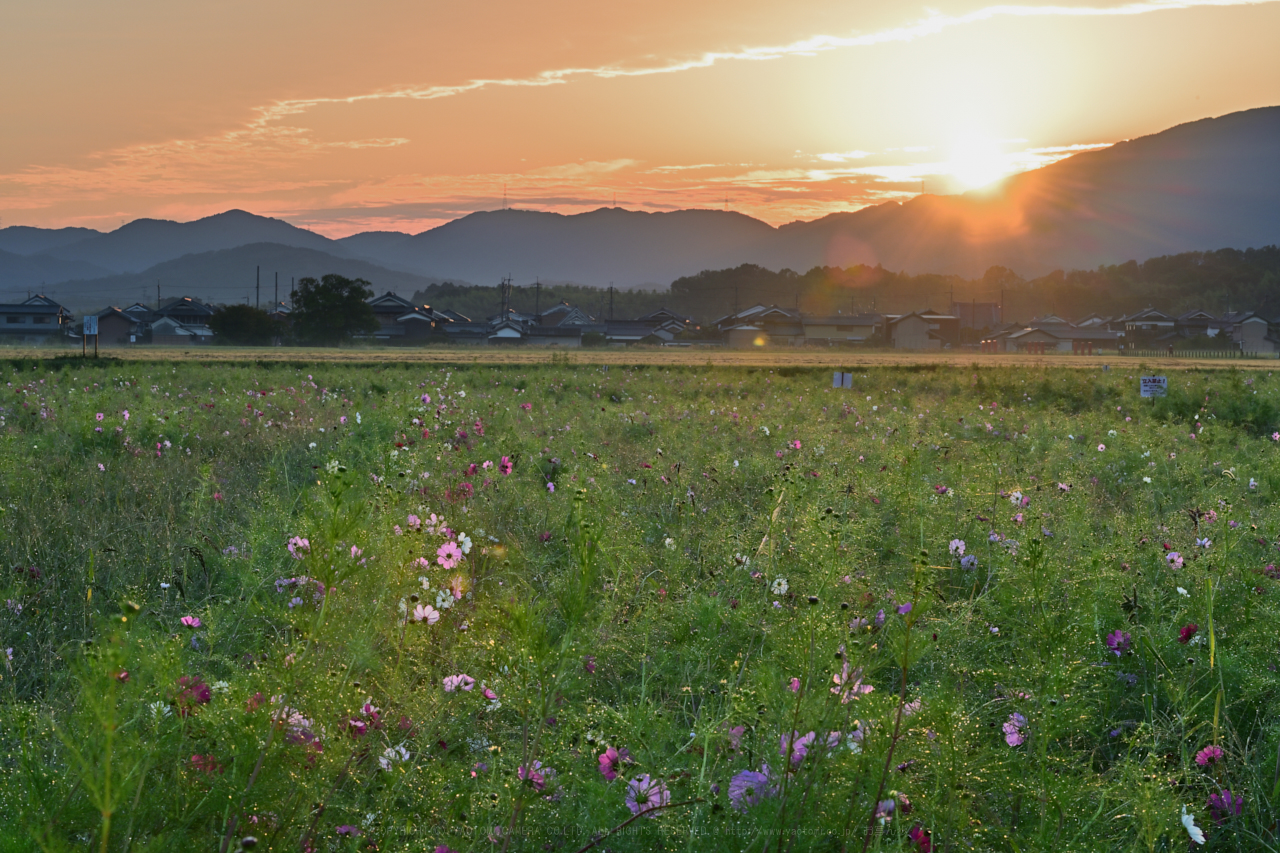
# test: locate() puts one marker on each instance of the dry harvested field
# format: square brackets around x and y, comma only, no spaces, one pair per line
[652,356]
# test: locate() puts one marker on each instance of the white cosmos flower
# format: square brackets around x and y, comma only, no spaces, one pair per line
[1189,821]
[1182,592]
[444,599]
[159,710]
[464,543]
[779,587]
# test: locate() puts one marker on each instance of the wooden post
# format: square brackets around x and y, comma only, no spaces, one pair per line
[95,346]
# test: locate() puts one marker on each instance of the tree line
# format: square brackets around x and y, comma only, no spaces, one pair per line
[333,309]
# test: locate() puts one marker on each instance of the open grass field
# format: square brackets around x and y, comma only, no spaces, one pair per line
[649,356]
[380,603]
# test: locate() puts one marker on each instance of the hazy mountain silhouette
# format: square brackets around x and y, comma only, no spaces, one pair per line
[26,240]
[228,276]
[1201,185]
[19,273]
[146,242]
[626,247]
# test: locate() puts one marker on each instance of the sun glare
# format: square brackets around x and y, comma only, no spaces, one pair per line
[976,161]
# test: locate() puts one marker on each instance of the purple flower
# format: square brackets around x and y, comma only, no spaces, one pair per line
[1119,641]
[646,795]
[1224,805]
[904,609]
[748,787]
[1174,558]
[798,746]
[969,561]
[956,547]
[349,831]
[1013,729]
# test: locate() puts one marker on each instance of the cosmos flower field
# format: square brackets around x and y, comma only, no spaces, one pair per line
[312,607]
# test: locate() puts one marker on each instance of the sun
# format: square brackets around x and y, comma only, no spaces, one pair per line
[975,161]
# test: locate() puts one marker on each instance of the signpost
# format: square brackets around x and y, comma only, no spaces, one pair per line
[841,380]
[90,328]
[1154,386]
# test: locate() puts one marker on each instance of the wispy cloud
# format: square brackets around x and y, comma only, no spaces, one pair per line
[930,25]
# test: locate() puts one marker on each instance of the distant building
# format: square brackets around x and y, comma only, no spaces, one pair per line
[923,330]
[168,331]
[116,328]
[37,320]
[977,315]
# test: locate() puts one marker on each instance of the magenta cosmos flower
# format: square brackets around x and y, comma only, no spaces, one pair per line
[611,762]
[1209,755]
[191,621]
[505,466]
[646,795]
[1224,805]
[1119,641]
[449,555]
[1187,632]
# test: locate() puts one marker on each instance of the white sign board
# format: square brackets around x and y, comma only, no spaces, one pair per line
[1154,386]
[91,325]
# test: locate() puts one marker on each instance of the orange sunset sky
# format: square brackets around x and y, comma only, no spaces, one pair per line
[346,117]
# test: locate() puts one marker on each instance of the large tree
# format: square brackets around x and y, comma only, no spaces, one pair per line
[331,310]
[244,324]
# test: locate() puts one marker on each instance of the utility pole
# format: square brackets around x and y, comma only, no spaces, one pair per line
[537,297]
[276,304]
[610,300]
[257,288]
[157,294]
[735,299]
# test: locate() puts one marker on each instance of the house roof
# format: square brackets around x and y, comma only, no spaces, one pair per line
[389,301]
[665,313]
[186,306]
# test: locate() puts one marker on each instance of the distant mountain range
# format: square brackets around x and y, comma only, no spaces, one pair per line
[1202,185]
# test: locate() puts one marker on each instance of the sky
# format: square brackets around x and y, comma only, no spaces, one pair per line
[343,117]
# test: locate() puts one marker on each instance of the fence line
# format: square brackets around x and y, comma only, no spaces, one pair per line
[1196,353]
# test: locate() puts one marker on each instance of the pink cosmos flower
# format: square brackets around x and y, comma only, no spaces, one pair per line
[849,683]
[794,685]
[551,487]
[797,745]
[449,555]
[299,547]
[1013,729]
[191,621]
[1175,559]
[504,467]
[646,795]
[461,681]
[426,613]
[98,416]
[414,523]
